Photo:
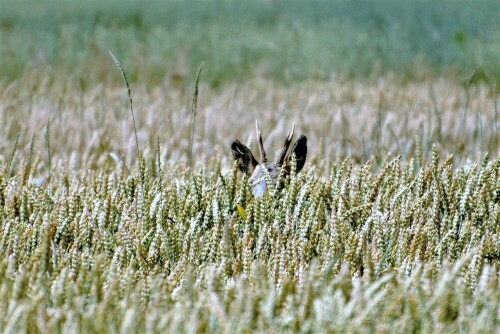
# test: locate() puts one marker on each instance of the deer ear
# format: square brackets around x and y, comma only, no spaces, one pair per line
[244,157]
[300,151]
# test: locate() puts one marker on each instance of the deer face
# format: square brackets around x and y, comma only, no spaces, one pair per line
[259,172]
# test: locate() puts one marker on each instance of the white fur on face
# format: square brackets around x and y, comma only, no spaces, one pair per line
[258,179]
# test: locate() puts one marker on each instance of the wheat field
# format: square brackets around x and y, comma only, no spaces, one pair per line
[124,211]
[393,225]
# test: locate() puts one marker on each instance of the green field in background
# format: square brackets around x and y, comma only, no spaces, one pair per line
[284,40]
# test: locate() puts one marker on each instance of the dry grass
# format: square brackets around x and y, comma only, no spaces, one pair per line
[356,244]
[359,119]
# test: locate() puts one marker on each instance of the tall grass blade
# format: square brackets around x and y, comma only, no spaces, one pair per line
[194,110]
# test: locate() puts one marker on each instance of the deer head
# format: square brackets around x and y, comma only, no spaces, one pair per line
[256,171]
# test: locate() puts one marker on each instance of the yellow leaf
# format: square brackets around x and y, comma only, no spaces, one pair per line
[241,211]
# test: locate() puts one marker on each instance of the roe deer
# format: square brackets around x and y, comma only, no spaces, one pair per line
[257,171]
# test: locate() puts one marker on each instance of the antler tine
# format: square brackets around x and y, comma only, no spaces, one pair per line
[286,145]
[291,132]
[261,144]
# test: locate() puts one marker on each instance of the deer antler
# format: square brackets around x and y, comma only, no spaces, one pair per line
[286,145]
[261,144]
[260,174]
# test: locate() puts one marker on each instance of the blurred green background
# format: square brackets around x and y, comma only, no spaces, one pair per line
[282,40]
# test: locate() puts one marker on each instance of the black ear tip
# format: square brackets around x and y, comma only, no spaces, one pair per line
[236,144]
[301,143]
[300,151]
